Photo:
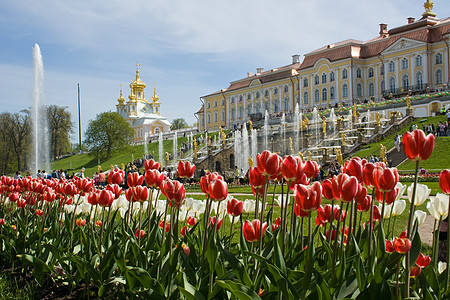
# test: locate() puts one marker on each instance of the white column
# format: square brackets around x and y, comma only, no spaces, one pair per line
[376,94]
[425,69]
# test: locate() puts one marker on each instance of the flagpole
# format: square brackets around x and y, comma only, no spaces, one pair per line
[79,119]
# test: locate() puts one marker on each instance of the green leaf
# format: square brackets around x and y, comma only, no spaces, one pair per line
[416,247]
[348,287]
[240,291]
[238,268]
[278,257]
[136,275]
[40,268]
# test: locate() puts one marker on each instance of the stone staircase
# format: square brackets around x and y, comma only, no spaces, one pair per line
[397,157]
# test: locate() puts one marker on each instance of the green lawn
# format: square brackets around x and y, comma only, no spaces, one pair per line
[388,142]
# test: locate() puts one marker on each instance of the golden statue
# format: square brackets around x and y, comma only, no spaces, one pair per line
[195,149]
[290,144]
[250,125]
[305,123]
[428,5]
[309,155]
[378,118]
[343,135]
[167,157]
[122,166]
[408,102]
[324,124]
[339,156]
[300,154]
[250,162]
[111,167]
[383,153]
[354,111]
[99,168]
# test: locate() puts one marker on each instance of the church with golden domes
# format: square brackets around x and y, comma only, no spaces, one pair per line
[144,116]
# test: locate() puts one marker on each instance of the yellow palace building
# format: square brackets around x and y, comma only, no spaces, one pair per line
[412,58]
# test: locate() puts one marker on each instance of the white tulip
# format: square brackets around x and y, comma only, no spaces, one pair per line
[387,210]
[182,214]
[401,190]
[442,266]
[420,216]
[422,193]
[438,206]
[278,200]
[68,208]
[83,208]
[249,205]
[161,206]
[189,203]
[398,207]
[199,207]
[122,212]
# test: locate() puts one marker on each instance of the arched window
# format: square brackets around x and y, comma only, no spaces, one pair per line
[233,113]
[324,78]
[266,93]
[418,60]
[405,63]
[215,103]
[257,94]
[276,106]
[324,94]
[286,104]
[241,112]
[391,66]
[316,96]
[382,85]
[345,90]
[258,108]
[305,98]
[305,82]
[249,96]
[405,81]
[370,72]
[215,116]
[344,74]
[223,115]
[286,89]
[208,118]
[240,98]
[316,79]
[392,84]
[266,106]
[249,110]
[419,80]
[382,70]
[359,90]
[232,99]
[332,76]
[275,91]
[332,92]
[157,130]
[358,73]
[208,105]
[371,89]
[438,58]
[439,76]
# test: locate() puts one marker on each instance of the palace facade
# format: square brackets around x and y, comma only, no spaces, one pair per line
[412,58]
[144,116]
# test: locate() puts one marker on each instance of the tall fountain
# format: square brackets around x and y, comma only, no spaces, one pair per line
[300,117]
[41,153]
[283,134]
[333,121]
[316,125]
[254,139]
[237,148]
[266,131]
[161,150]
[245,149]
[175,148]
[296,127]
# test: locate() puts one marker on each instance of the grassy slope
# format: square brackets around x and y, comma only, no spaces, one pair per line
[439,159]
[388,142]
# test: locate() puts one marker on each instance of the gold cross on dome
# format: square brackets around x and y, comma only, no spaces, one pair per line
[137,65]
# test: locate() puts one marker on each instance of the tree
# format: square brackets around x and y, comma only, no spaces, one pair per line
[16,132]
[60,126]
[108,132]
[178,124]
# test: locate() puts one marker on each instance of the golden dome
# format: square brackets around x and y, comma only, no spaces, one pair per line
[137,82]
[121,99]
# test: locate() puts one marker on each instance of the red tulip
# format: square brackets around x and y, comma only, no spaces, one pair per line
[362,193]
[161,225]
[207,179]
[364,205]
[276,223]
[402,245]
[368,174]
[323,214]
[300,179]
[154,179]
[259,191]
[106,198]
[251,230]
[13,197]
[423,261]
[218,189]
[116,189]
[140,193]
[21,203]
[269,163]
[215,221]
[308,197]
[385,179]
[150,164]
[256,178]
[291,168]
[84,185]
[134,179]
[376,214]
[49,196]
[311,168]
[327,188]
[2,221]
[354,167]
[174,191]
[417,146]
[98,223]
[444,181]
[299,212]
[235,207]
[39,212]
[415,271]
[139,233]
[80,222]
[70,189]
[191,221]
[389,246]
[344,187]
[186,249]
[390,196]
[116,176]
[183,231]
[185,169]
[130,195]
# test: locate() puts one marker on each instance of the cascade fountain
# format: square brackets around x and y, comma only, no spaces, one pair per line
[316,125]
[245,149]
[41,155]
[333,121]
[191,141]
[283,134]
[296,128]
[300,117]
[266,130]
[254,139]
[161,150]
[175,148]
[237,148]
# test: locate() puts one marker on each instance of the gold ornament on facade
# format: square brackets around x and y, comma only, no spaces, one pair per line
[339,157]
[408,102]
[290,144]
[250,162]
[250,125]
[378,118]
[324,125]
[383,153]
[343,135]
[122,166]
[309,155]
[428,5]
[300,154]
[195,149]
[354,111]
[167,157]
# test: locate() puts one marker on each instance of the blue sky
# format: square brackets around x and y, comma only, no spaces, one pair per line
[189,48]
